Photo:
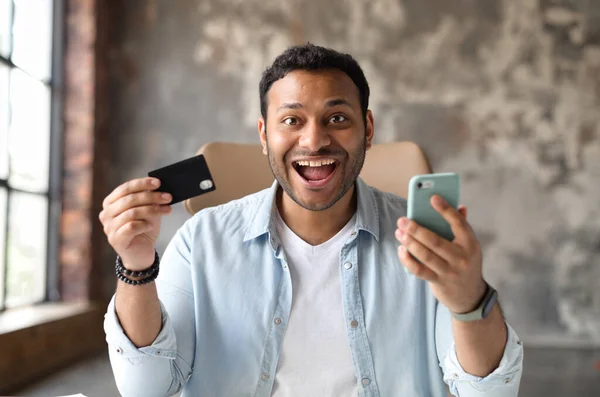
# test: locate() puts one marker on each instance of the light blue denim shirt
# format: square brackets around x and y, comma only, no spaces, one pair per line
[226,295]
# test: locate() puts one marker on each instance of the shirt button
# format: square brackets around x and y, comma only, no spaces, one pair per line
[365,381]
[354,323]
[353,234]
[277,321]
[158,352]
[265,376]
[455,376]
[348,265]
[507,380]
[119,350]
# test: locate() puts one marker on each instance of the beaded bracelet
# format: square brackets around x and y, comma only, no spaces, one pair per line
[137,282]
[148,275]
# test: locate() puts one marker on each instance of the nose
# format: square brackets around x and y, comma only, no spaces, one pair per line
[314,137]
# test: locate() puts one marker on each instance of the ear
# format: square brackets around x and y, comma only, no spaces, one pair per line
[369,129]
[262,133]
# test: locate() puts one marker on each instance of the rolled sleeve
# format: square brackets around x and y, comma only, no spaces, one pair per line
[502,382]
[164,346]
[165,366]
[149,371]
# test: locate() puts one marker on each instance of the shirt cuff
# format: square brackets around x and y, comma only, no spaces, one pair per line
[165,344]
[508,372]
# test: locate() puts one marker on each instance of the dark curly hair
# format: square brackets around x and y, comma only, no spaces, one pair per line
[312,57]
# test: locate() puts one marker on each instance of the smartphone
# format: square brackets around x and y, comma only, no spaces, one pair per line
[420,190]
[185,179]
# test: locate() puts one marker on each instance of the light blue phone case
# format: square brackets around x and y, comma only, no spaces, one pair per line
[420,190]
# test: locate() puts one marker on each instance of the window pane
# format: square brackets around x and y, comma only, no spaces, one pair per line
[5,17]
[3,121]
[2,242]
[26,273]
[32,36]
[29,132]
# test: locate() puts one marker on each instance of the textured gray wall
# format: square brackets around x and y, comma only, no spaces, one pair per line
[504,92]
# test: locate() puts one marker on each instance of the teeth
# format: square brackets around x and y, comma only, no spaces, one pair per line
[317,163]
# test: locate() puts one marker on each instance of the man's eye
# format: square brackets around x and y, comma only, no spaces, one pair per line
[291,121]
[338,118]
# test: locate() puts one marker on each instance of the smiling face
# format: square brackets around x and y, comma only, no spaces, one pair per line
[315,136]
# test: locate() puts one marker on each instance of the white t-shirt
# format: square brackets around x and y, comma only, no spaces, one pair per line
[315,358]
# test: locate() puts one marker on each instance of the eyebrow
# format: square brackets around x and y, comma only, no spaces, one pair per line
[338,101]
[330,103]
[294,105]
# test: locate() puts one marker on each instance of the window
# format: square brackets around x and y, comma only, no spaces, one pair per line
[27,145]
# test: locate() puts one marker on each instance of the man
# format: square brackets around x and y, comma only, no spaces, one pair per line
[302,289]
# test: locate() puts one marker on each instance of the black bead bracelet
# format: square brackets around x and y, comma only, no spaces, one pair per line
[147,275]
[137,282]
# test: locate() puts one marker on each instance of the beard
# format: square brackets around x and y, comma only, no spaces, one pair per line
[352,167]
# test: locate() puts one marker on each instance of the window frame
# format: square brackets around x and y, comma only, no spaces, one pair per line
[53,194]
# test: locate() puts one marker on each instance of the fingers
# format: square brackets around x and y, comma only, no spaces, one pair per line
[413,266]
[129,230]
[133,200]
[129,187]
[423,254]
[118,231]
[450,214]
[150,213]
[435,243]
[458,222]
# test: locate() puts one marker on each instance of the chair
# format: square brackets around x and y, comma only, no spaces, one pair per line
[242,169]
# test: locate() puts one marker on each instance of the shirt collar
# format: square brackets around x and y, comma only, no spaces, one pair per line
[263,220]
[368,213]
[367,218]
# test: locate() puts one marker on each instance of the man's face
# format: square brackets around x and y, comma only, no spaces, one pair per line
[315,136]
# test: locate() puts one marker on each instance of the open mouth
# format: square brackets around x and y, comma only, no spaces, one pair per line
[315,172]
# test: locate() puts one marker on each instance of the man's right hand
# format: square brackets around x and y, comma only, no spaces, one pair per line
[131,217]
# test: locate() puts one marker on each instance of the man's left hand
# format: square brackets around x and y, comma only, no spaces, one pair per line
[452,268]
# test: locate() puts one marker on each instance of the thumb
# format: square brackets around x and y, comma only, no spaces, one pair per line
[462,210]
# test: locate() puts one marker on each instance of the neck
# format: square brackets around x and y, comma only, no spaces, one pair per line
[316,227]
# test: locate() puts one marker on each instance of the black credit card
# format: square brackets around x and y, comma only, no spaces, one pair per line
[185,179]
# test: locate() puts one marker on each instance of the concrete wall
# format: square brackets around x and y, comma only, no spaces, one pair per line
[504,92]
